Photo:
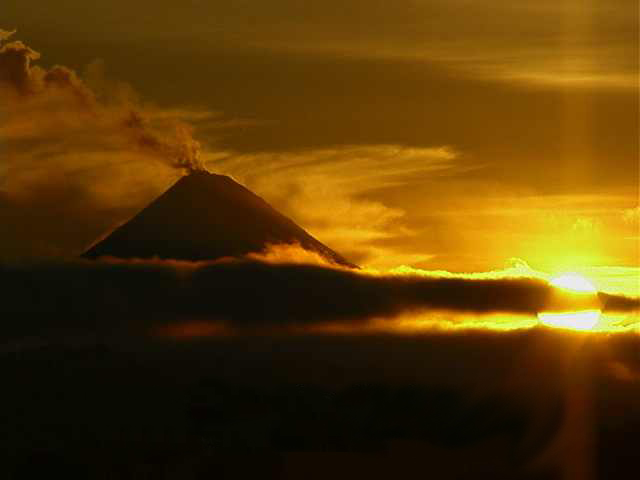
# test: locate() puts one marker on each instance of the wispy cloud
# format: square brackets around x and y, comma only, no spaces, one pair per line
[325,190]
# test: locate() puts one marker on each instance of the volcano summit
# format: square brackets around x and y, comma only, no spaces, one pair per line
[205,216]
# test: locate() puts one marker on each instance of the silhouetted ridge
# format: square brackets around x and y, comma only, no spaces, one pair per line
[204,216]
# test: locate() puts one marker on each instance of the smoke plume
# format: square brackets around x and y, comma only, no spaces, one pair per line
[83,148]
[24,83]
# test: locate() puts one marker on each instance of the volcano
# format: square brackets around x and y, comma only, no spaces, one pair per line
[205,216]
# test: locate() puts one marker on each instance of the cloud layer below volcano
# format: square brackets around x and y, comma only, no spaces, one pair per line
[110,296]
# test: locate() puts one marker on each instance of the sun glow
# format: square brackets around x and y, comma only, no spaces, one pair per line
[586,319]
[574,283]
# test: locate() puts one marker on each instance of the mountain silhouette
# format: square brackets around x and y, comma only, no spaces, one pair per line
[205,216]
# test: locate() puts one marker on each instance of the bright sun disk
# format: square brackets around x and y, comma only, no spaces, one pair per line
[573,282]
[577,320]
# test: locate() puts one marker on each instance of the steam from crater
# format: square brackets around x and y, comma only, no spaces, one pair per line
[55,105]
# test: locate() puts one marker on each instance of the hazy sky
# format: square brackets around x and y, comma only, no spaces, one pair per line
[442,134]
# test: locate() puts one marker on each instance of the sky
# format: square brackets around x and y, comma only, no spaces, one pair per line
[412,134]
[478,160]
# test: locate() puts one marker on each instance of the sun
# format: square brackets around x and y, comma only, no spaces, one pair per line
[583,319]
[574,283]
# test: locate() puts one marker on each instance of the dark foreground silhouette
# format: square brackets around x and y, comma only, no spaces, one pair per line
[443,406]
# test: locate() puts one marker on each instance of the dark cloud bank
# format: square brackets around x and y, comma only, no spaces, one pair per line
[86,296]
[87,392]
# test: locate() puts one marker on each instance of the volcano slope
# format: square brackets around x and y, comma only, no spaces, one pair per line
[205,216]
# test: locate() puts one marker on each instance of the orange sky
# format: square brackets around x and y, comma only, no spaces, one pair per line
[412,134]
